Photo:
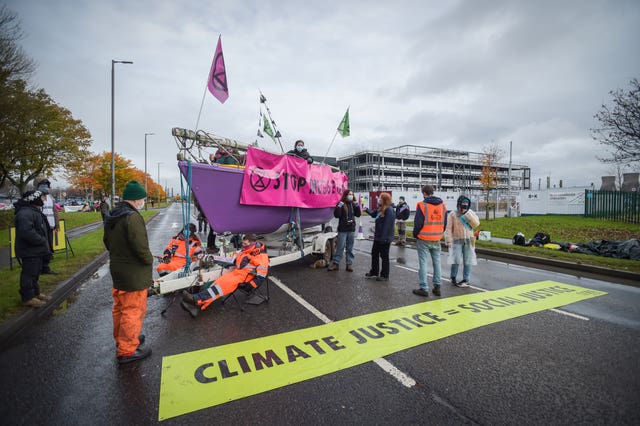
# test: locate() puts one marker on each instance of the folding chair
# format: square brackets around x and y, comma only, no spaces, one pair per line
[252,296]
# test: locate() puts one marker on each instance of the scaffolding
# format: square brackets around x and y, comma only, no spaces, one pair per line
[409,167]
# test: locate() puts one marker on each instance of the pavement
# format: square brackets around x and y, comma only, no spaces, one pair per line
[13,326]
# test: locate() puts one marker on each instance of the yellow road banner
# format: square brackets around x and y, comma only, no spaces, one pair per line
[195,380]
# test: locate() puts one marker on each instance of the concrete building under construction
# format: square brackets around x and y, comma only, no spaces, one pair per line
[409,167]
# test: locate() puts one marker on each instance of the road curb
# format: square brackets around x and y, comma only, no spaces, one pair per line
[13,326]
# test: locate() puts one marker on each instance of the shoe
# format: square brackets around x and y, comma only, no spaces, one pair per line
[453,281]
[34,303]
[370,275]
[188,297]
[462,284]
[421,292]
[193,310]
[333,267]
[140,353]
[436,290]
[43,297]
[50,272]
[382,279]
[349,268]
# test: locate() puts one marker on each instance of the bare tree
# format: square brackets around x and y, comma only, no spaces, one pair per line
[489,174]
[620,125]
[14,63]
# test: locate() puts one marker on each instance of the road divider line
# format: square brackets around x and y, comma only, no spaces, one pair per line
[403,378]
[569,314]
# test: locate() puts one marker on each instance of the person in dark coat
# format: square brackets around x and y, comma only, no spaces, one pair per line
[130,264]
[385,217]
[104,207]
[346,211]
[402,214]
[300,151]
[32,245]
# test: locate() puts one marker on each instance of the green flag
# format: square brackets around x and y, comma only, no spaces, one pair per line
[343,128]
[267,127]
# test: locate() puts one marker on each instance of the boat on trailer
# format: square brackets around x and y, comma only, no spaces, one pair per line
[290,233]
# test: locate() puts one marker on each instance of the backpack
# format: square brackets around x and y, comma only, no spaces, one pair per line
[542,238]
[519,239]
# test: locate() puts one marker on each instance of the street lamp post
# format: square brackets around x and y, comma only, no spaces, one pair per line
[113,154]
[159,184]
[145,164]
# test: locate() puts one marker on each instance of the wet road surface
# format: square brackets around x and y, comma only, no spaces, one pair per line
[576,364]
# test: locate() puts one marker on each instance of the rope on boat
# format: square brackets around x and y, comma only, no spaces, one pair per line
[186,216]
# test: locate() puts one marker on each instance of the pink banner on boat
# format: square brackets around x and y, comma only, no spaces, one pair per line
[287,180]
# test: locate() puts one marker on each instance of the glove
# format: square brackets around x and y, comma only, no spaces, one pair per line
[166,259]
[309,160]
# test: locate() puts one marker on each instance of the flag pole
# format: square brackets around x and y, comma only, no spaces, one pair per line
[201,105]
[330,145]
[263,100]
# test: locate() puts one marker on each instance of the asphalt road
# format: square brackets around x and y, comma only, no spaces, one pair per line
[573,365]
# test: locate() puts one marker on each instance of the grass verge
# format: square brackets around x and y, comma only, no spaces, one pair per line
[86,249]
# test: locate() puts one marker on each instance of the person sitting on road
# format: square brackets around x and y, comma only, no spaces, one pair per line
[300,151]
[174,256]
[250,271]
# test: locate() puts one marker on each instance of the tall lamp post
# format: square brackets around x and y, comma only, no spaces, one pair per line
[113,154]
[145,164]
[159,187]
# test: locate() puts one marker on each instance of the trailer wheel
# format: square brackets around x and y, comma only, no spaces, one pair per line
[329,249]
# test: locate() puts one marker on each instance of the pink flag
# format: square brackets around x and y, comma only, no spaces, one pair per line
[218,76]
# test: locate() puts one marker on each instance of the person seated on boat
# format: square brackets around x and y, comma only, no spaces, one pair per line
[251,265]
[174,255]
[300,151]
[225,157]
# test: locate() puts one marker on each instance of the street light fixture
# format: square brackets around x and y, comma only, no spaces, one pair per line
[145,164]
[113,154]
[159,184]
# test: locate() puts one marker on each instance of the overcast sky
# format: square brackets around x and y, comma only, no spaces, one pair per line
[447,74]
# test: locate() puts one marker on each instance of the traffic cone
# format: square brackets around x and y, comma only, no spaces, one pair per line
[360,235]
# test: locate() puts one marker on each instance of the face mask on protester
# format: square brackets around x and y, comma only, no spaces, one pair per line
[140,205]
[299,148]
[43,188]
[349,197]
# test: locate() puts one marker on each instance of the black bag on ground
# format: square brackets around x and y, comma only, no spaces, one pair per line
[519,239]
[540,239]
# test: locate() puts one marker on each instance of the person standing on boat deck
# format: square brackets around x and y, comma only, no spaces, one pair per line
[385,217]
[346,211]
[300,151]
[225,157]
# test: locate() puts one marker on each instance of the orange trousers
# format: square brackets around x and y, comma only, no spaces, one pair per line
[129,309]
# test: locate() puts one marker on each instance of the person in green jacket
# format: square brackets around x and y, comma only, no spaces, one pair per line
[130,265]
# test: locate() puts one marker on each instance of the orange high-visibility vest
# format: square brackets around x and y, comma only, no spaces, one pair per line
[433,227]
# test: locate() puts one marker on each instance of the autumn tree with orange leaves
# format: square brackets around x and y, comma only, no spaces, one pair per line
[93,176]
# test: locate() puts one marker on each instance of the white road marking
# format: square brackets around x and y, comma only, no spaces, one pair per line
[404,379]
[569,314]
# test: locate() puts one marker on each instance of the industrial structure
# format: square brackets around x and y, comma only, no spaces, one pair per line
[409,167]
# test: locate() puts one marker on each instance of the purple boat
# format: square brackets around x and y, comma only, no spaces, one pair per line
[217,189]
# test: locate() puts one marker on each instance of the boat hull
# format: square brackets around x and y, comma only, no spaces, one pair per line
[217,189]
